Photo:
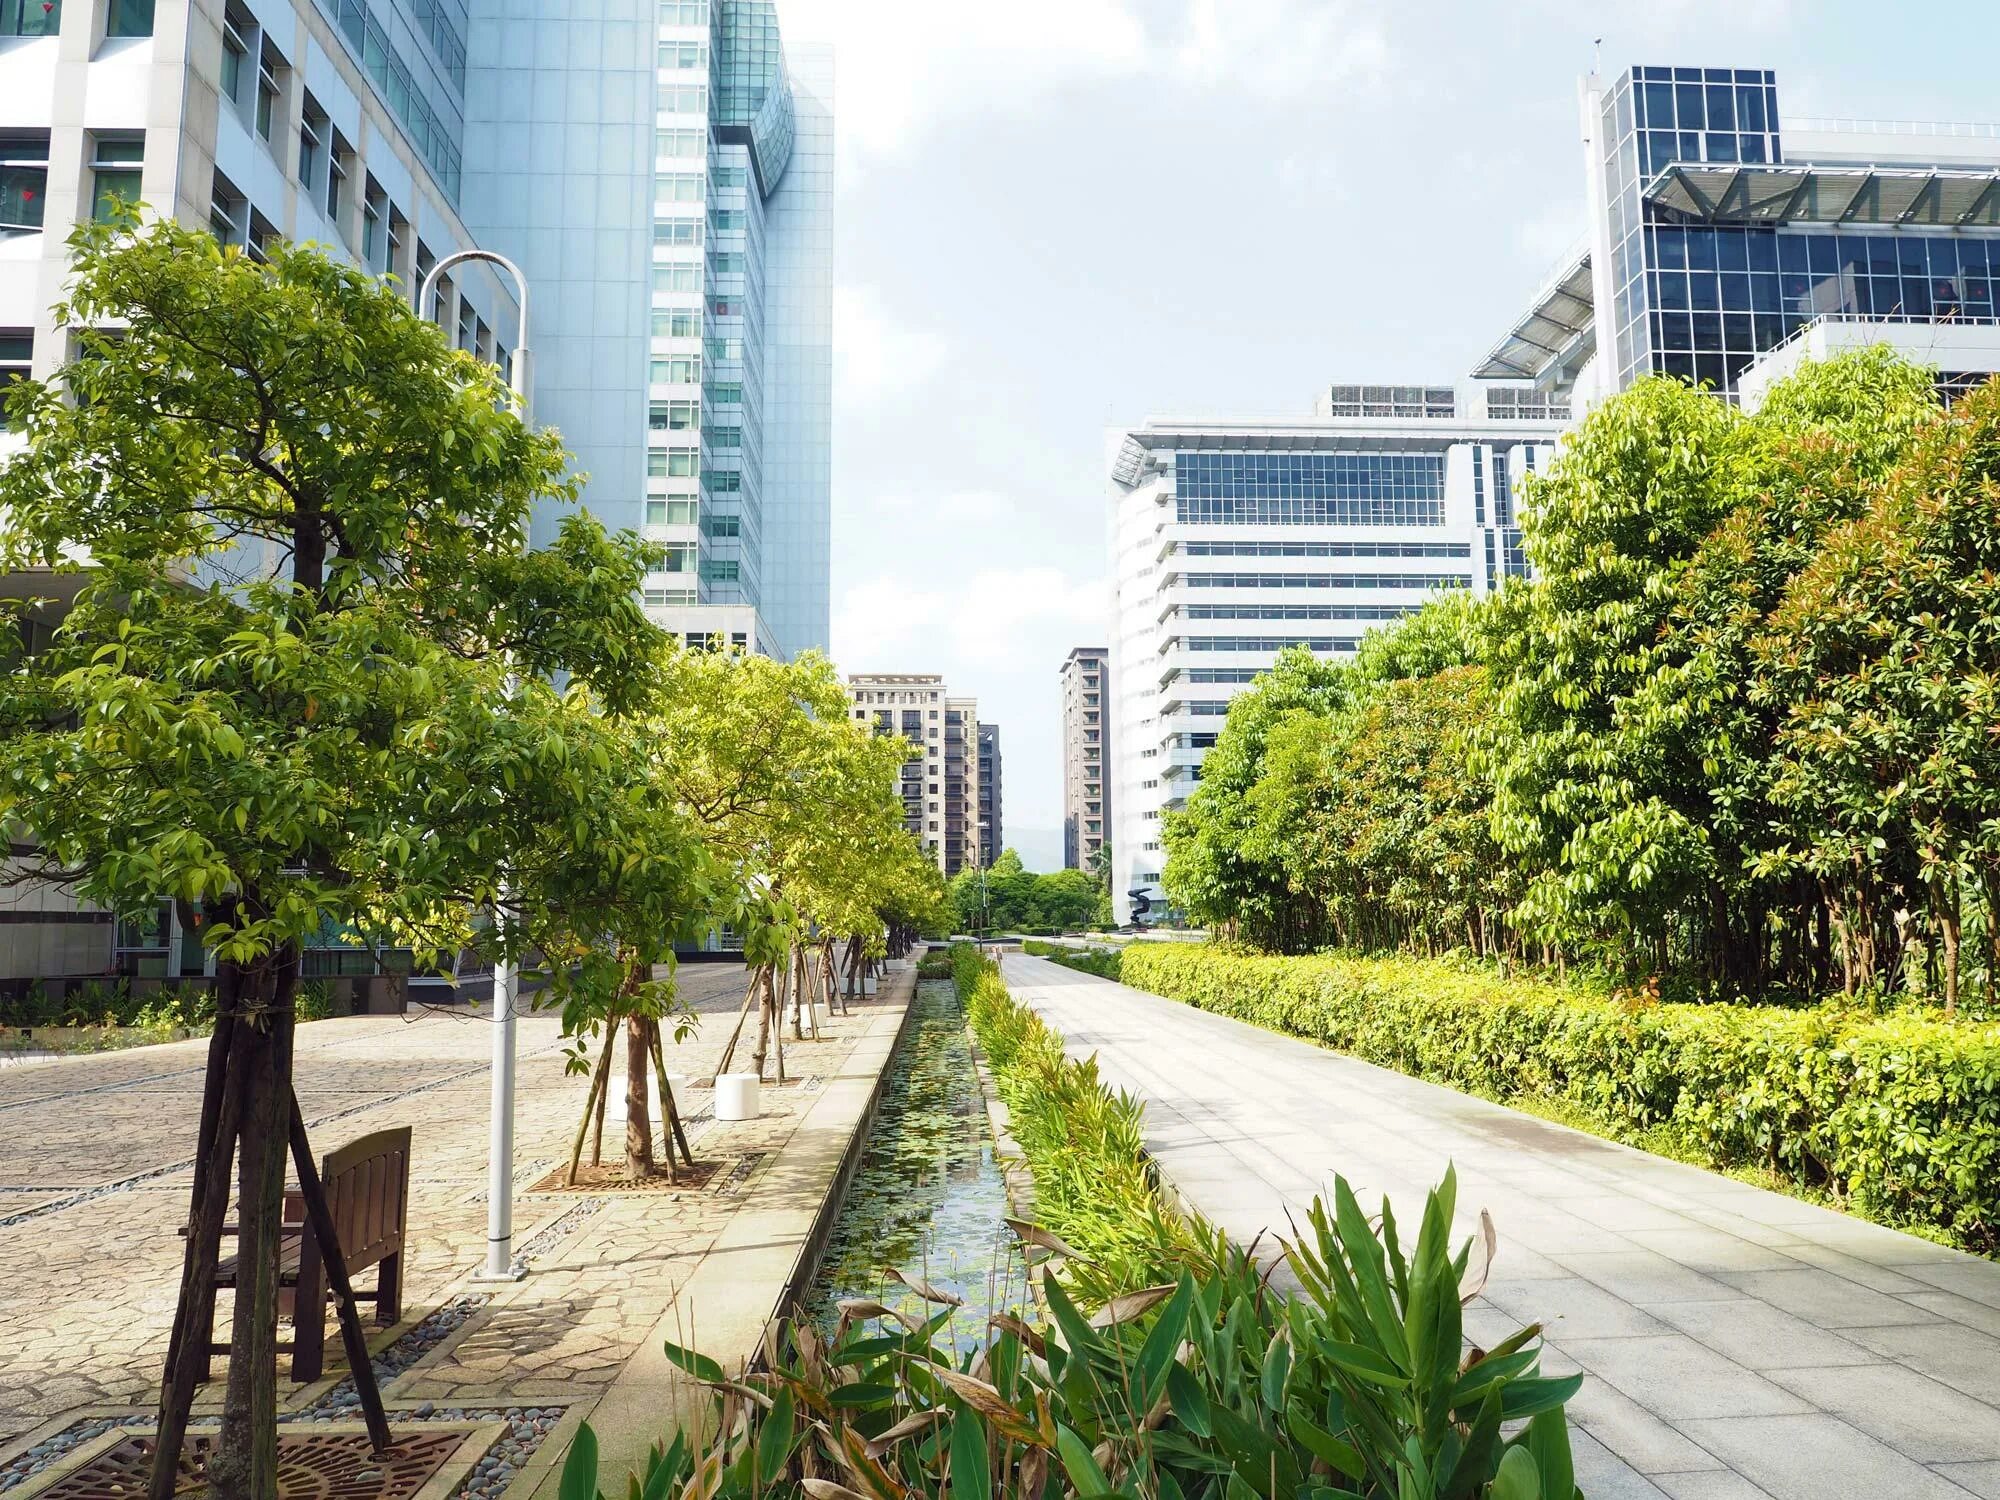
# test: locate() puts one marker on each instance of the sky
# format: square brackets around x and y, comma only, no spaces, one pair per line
[1058,216]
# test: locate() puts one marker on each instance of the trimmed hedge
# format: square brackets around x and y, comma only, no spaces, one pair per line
[1102,962]
[1898,1116]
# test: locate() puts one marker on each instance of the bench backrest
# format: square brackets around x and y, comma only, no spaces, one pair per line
[368,1192]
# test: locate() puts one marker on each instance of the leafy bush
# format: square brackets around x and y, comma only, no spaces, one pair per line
[1898,1116]
[935,964]
[1083,1143]
[1103,962]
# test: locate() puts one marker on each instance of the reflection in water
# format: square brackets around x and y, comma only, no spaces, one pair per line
[928,1198]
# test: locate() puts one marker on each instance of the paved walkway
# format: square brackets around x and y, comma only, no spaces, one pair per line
[94,1178]
[1738,1344]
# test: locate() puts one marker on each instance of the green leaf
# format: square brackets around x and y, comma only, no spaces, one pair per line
[1518,1478]
[1084,1474]
[1548,1441]
[970,1477]
[579,1476]
[1189,1401]
[698,1365]
[774,1438]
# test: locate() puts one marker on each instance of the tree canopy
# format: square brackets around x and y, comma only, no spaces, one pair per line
[1736,731]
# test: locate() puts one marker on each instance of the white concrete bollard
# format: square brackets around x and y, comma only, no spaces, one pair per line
[736,1096]
[679,1082]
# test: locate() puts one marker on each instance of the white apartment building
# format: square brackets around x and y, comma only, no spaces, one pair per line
[1232,540]
[1086,813]
[941,787]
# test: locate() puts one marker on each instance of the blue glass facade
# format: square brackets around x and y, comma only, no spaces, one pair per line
[1701,300]
[415,51]
[1310,489]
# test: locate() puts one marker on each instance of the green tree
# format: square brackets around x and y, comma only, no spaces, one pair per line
[295,515]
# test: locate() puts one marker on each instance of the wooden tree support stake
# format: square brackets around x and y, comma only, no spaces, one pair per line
[319,1220]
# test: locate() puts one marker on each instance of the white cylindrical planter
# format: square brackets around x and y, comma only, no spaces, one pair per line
[822,1016]
[736,1096]
[679,1082]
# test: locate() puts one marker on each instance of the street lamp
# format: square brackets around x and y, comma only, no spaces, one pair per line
[506,978]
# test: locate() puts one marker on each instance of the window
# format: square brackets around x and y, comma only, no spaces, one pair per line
[723,526]
[681,143]
[1313,489]
[17,355]
[680,187]
[676,323]
[725,437]
[441,299]
[399,239]
[339,162]
[24,181]
[677,278]
[670,512]
[684,99]
[673,462]
[228,214]
[30,17]
[678,232]
[731,177]
[675,416]
[722,481]
[681,56]
[129,18]
[114,173]
[374,237]
[727,393]
[467,320]
[683,12]
[679,369]
[312,141]
[235,60]
[270,69]
[721,570]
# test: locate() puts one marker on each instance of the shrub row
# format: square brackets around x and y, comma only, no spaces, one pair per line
[1103,962]
[1898,1116]
[1082,1142]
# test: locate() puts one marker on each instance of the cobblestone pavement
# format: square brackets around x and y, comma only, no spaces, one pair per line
[94,1178]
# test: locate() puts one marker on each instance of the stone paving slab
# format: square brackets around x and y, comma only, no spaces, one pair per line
[88,1274]
[1739,1344]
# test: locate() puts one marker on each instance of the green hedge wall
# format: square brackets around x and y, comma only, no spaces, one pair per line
[1899,1116]
[1103,962]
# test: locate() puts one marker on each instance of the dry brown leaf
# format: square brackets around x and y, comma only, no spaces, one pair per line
[826,1489]
[1475,1281]
[1021,1331]
[1129,1305]
[1034,1234]
[910,1426]
[925,1290]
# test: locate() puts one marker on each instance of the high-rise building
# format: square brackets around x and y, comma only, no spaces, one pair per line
[992,838]
[941,787]
[663,169]
[1086,755]
[1233,540]
[1725,243]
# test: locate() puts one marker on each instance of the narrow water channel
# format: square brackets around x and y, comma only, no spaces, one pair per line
[928,1198]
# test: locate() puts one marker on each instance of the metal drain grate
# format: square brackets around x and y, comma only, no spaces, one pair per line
[311,1466]
[729,1184]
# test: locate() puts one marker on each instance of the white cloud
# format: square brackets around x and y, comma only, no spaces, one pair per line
[876,354]
[908,67]
[992,620]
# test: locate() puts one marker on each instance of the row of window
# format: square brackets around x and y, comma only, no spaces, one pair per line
[1327,580]
[683,56]
[1325,549]
[1376,612]
[114,164]
[122,18]
[1265,642]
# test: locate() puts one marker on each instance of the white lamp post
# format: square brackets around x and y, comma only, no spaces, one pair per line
[506,978]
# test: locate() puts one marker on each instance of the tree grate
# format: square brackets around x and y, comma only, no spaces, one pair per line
[311,1466]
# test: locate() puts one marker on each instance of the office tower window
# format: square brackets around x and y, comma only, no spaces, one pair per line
[725,437]
[678,232]
[1310,489]
[467,321]
[339,163]
[374,209]
[675,463]
[680,187]
[683,56]
[677,278]
[270,73]
[676,323]
[114,174]
[1478,484]
[235,59]
[670,512]
[24,181]
[312,141]
[678,560]
[684,99]
[399,242]
[675,416]
[721,570]
[679,369]
[263,234]
[228,214]
[129,18]
[683,12]
[30,17]
[17,357]
[681,142]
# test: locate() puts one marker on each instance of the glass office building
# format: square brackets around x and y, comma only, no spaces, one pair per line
[1232,541]
[1723,233]
[681,210]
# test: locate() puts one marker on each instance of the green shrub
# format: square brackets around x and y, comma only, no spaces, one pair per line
[315,1000]
[935,964]
[1899,1117]
[1103,962]
[1082,1142]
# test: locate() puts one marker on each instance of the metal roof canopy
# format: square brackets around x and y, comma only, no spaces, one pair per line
[1955,197]
[1552,332]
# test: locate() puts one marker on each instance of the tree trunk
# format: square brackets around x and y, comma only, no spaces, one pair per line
[245,1465]
[638,1119]
[765,1004]
[1948,930]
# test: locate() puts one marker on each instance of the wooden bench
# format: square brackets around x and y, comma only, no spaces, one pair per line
[367,1184]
